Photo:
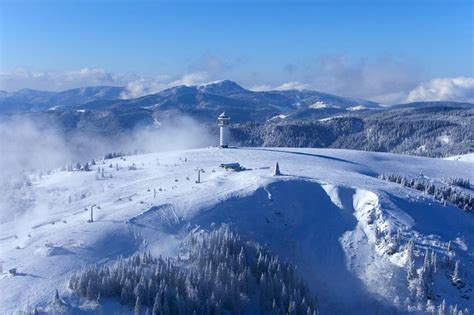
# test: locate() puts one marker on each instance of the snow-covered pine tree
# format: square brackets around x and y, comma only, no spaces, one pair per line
[434,262]
[450,246]
[427,278]
[456,278]
[138,306]
[411,273]
[442,308]
[156,305]
[57,298]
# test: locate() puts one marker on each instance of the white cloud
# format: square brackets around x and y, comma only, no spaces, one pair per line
[211,64]
[139,88]
[382,79]
[192,79]
[136,85]
[149,85]
[385,80]
[260,88]
[390,98]
[59,80]
[145,85]
[293,85]
[442,89]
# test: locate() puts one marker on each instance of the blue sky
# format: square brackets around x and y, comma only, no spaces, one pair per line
[259,44]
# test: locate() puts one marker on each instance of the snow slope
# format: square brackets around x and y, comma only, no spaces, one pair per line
[329,214]
[464,157]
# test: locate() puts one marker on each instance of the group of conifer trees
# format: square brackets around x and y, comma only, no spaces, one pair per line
[220,273]
[440,192]
[461,182]
[422,281]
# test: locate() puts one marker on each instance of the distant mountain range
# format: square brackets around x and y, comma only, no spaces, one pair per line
[33,100]
[222,95]
[293,118]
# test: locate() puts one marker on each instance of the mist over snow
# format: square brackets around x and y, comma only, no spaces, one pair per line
[30,148]
[28,145]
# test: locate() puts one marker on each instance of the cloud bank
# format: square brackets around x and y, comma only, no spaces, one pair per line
[150,85]
[375,80]
[386,79]
[444,89]
[58,80]
[136,85]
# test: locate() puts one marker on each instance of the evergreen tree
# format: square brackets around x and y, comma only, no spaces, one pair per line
[138,305]
[156,305]
[57,298]
[442,308]
[412,274]
[457,272]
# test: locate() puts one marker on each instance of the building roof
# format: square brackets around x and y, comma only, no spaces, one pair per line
[223,115]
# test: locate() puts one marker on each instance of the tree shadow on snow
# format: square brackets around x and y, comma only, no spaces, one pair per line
[306,154]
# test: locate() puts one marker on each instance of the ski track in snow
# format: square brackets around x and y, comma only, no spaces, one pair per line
[323,214]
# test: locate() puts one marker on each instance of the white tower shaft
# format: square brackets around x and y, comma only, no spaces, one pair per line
[224,137]
[224,130]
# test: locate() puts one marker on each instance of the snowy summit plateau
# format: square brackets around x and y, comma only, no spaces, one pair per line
[332,233]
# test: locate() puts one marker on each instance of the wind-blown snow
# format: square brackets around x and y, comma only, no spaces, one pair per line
[326,214]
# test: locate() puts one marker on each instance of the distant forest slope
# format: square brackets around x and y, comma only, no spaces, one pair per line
[426,131]
[271,118]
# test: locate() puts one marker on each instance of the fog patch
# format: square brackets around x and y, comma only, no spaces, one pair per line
[31,149]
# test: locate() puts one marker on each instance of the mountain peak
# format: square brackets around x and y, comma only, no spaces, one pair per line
[222,87]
